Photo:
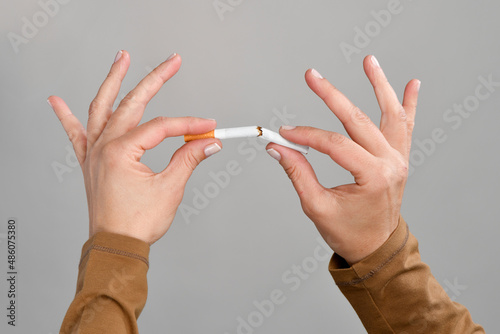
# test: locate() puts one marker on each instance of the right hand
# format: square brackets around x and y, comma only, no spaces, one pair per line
[125,196]
[355,219]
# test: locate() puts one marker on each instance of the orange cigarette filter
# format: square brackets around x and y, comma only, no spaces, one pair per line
[201,136]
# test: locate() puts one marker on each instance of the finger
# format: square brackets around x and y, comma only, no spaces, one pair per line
[298,169]
[150,134]
[393,121]
[101,107]
[410,105]
[341,149]
[186,159]
[74,129]
[358,125]
[131,108]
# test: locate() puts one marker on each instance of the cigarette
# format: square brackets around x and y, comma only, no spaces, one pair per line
[249,132]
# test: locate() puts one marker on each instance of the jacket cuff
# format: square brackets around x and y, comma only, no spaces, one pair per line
[372,264]
[115,244]
[111,250]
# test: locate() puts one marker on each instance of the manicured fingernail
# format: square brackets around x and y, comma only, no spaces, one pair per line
[50,104]
[212,149]
[275,154]
[316,74]
[287,127]
[172,56]
[418,85]
[118,55]
[375,61]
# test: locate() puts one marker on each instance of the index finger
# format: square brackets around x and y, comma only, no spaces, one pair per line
[341,149]
[150,134]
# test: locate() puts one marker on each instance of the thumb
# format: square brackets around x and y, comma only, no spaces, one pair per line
[187,158]
[300,172]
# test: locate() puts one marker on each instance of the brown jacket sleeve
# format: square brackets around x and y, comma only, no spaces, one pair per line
[393,291]
[112,286]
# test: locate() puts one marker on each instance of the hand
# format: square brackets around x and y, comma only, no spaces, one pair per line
[355,219]
[124,196]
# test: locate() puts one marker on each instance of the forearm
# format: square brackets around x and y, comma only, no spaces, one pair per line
[112,286]
[393,291]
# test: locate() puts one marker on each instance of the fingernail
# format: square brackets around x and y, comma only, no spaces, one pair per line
[50,104]
[287,127]
[172,56]
[375,61]
[316,74]
[212,149]
[275,154]
[211,119]
[118,56]
[418,85]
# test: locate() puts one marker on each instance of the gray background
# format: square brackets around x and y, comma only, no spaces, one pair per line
[242,70]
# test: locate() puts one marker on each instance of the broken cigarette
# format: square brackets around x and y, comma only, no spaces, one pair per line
[249,132]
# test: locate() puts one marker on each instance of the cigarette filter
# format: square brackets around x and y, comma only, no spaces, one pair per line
[249,132]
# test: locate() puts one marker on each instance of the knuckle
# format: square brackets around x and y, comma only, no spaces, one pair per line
[293,173]
[94,132]
[309,209]
[336,138]
[111,73]
[129,100]
[358,116]
[190,161]
[401,171]
[315,209]
[410,124]
[72,135]
[159,120]
[312,209]
[307,132]
[402,113]
[157,77]
[384,179]
[390,175]
[96,104]
[109,151]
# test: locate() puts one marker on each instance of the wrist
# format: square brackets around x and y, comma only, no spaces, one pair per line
[371,243]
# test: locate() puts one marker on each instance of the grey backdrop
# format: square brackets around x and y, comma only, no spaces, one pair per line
[243,64]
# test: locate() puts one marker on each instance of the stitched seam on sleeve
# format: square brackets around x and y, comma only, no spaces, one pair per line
[374,271]
[114,251]
[378,309]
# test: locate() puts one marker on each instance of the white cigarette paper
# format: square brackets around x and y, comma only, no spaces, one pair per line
[243,132]
[250,132]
